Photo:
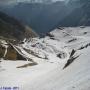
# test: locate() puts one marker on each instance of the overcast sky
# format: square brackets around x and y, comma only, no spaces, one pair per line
[13,1]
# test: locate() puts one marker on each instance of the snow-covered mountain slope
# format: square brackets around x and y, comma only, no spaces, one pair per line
[60,61]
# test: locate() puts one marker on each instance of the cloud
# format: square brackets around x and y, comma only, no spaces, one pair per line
[5,2]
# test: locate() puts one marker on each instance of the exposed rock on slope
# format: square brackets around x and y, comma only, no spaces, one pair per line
[7,52]
[12,31]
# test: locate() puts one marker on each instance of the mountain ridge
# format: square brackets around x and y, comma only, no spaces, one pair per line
[41,17]
[13,29]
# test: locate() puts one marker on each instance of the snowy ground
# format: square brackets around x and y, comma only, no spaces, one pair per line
[49,74]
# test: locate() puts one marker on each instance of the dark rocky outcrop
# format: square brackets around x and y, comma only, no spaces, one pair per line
[71,58]
[11,54]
